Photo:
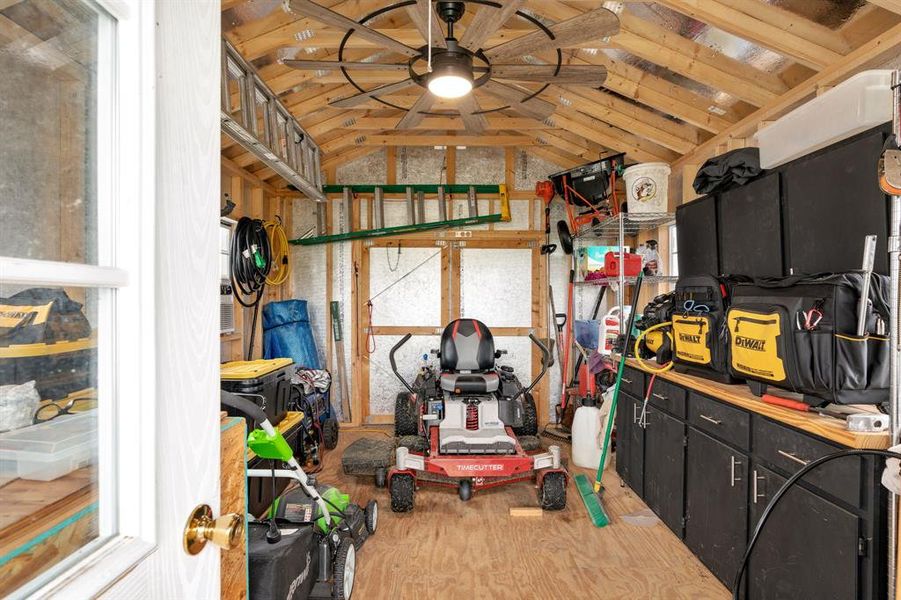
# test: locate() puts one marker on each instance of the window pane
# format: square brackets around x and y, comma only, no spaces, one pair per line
[48,427]
[48,108]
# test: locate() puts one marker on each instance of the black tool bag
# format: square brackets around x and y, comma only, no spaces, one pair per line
[45,337]
[800,334]
[286,569]
[656,344]
[699,335]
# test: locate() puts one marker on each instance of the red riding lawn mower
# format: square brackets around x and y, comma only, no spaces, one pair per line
[471,425]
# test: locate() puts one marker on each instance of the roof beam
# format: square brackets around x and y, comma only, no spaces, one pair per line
[756,30]
[611,137]
[872,53]
[446,140]
[346,156]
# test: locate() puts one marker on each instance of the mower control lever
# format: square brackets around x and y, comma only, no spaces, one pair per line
[545,359]
[402,341]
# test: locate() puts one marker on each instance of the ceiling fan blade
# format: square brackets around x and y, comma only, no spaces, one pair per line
[417,17]
[468,106]
[536,108]
[593,25]
[590,75]
[357,99]
[487,22]
[329,17]
[336,64]
[415,115]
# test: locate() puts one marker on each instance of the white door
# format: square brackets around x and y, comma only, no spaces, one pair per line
[110,184]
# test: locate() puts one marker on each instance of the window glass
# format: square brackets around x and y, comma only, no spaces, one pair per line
[56,68]
[673,252]
[48,154]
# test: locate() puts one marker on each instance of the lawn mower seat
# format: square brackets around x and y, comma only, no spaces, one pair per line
[467,358]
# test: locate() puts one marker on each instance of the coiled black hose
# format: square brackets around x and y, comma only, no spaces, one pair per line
[251,260]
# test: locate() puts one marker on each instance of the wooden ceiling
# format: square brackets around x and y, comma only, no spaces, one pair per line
[652,115]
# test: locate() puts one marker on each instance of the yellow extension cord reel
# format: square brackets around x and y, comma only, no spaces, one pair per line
[278,241]
[641,336]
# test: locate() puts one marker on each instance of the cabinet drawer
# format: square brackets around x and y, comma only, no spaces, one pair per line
[668,397]
[730,424]
[789,450]
[633,382]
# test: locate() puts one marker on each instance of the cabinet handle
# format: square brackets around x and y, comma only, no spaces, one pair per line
[626,380]
[634,413]
[791,456]
[754,495]
[733,478]
[660,396]
[710,419]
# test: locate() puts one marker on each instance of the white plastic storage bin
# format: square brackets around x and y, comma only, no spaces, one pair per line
[49,450]
[857,104]
[646,188]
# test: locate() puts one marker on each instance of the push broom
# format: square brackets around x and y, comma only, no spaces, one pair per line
[591,495]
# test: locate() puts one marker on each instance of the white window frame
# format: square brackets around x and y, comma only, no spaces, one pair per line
[125,278]
[673,258]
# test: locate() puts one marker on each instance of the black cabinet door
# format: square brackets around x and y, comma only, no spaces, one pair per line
[749,224]
[808,547]
[664,442]
[630,444]
[697,238]
[716,504]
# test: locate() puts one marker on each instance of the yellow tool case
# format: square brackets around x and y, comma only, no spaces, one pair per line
[46,338]
[266,382]
[800,334]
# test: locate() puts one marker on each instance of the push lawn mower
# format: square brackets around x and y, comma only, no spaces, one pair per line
[314,556]
[472,425]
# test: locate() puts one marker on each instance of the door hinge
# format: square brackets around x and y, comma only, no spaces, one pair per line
[862,546]
[685,441]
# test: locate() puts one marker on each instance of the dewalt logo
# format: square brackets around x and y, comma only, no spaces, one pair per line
[689,339]
[750,343]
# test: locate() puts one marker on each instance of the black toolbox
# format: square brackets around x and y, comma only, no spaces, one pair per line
[266,382]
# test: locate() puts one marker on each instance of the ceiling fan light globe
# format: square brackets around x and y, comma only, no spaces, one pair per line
[450,86]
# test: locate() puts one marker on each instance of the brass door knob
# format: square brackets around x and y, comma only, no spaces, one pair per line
[225,531]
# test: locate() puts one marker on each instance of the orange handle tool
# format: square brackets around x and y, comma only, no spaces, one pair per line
[785,403]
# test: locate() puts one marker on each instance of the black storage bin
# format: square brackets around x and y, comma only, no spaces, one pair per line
[266,382]
[776,340]
[285,569]
[697,237]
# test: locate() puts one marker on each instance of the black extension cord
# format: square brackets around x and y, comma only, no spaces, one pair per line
[251,260]
[743,567]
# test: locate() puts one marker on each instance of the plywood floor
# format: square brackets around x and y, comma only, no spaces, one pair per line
[450,549]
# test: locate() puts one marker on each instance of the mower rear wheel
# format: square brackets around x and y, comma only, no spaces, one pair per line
[552,493]
[381,477]
[406,419]
[529,417]
[402,490]
[345,569]
[330,433]
[372,516]
[465,490]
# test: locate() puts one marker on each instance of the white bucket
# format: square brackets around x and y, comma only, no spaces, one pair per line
[646,188]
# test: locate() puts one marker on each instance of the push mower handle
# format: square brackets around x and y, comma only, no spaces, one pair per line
[545,359]
[396,347]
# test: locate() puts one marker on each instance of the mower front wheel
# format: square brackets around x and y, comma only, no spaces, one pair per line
[372,516]
[402,488]
[406,418]
[552,491]
[330,433]
[345,569]
[465,490]
[381,477]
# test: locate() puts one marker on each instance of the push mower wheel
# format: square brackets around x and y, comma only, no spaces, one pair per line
[330,433]
[552,493]
[345,569]
[381,477]
[406,420]
[402,490]
[372,516]
[465,490]
[529,417]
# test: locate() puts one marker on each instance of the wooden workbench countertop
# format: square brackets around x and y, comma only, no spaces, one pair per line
[825,427]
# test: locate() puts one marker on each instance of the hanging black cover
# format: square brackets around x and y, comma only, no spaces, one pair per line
[726,170]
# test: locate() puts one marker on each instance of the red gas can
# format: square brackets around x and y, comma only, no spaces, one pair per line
[631,264]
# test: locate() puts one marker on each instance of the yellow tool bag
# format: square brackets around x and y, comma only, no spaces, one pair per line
[800,334]
[46,338]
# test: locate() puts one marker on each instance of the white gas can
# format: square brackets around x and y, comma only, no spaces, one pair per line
[589,425]
[610,328]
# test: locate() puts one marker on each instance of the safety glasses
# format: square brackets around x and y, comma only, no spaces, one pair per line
[72,404]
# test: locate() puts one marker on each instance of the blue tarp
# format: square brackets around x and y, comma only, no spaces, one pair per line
[287,333]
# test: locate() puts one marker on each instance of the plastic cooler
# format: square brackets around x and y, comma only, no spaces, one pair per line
[266,382]
[49,450]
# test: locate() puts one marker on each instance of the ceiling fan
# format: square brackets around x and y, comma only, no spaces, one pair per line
[452,68]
